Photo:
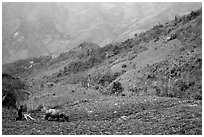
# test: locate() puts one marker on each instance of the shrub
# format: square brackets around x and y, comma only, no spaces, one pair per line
[79,65]
[12,90]
[10,99]
[103,78]
[117,88]
[124,66]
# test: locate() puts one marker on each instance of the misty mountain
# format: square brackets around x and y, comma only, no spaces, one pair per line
[39,29]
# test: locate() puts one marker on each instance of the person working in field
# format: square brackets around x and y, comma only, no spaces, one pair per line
[20,114]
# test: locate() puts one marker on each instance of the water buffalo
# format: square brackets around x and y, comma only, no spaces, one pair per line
[53,114]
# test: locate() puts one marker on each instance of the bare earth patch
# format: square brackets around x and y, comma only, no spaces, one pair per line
[134,115]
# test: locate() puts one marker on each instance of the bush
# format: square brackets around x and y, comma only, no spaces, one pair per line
[117,88]
[10,99]
[103,78]
[79,66]
[12,90]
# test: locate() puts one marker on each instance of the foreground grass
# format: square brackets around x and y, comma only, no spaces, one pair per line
[115,115]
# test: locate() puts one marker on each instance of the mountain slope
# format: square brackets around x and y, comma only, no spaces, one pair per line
[37,29]
[148,84]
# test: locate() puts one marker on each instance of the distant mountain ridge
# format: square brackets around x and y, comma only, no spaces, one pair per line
[38,29]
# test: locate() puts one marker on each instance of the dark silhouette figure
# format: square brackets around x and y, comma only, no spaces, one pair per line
[20,113]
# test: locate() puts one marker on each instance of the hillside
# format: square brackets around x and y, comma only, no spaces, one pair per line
[150,83]
[41,29]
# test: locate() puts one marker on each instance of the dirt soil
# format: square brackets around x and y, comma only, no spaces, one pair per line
[115,116]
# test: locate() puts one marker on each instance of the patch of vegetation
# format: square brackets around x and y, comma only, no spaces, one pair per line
[117,88]
[79,66]
[25,67]
[12,90]
[180,78]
